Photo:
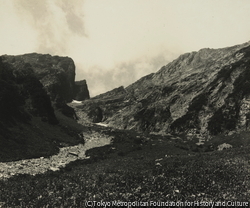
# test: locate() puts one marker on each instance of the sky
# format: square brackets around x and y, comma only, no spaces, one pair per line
[115,42]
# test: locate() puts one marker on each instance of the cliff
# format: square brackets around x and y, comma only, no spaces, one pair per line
[57,74]
[34,89]
[23,94]
[200,93]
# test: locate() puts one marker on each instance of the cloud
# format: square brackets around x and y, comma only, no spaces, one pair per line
[74,15]
[17,37]
[113,42]
[124,73]
[56,22]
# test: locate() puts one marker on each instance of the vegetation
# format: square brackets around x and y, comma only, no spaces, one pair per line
[40,101]
[167,90]
[157,171]
[190,120]
[148,117]
[226,117]
[38,138]
[11,101]
[242,83]
[223,119]
[95,114]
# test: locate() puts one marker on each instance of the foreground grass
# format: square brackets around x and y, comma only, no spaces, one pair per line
[135,170]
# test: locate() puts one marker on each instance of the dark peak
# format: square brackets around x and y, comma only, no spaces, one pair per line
[81,91]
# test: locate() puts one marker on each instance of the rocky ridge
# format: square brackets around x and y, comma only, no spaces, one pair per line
[200,93]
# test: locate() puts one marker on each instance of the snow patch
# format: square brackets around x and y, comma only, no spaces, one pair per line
[76,101]
[102,124]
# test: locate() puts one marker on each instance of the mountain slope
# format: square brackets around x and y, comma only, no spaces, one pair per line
[200,93]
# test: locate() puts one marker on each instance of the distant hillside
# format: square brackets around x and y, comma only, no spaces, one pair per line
[200,93]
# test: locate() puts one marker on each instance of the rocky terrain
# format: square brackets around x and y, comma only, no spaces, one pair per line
[34,116]
[201,94]
[147,144]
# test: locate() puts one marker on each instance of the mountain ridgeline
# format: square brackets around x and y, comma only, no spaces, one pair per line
[200,93]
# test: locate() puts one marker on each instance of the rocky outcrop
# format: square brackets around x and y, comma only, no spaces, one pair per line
[224,146]
[57,74]
[30,124]
[81,91]
[200,93]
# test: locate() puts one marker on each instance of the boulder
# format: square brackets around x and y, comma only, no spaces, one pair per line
[224,146]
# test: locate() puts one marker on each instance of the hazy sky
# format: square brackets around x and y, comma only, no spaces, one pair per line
[115,42]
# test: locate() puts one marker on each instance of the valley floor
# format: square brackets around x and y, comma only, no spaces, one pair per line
[136,167]
[66,155]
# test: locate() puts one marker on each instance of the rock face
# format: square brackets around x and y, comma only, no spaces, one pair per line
[81,91]
[57,74]
[22,94]
[22,98]
[200,93]
[34,89]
